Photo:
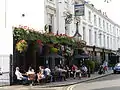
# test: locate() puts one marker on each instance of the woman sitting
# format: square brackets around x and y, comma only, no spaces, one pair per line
[31,75]
[40,75]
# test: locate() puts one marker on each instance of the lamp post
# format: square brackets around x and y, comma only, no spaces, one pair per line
[77,35]
[78,11]
[93,52]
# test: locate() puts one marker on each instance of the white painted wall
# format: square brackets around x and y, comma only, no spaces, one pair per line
[33,10]
[34,18]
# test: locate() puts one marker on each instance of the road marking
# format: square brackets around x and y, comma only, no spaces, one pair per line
[71,87]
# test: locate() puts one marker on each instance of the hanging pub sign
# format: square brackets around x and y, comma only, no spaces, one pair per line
[79,9]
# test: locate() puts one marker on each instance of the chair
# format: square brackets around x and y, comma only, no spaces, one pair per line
[57,76]
[48,78]
[17,81]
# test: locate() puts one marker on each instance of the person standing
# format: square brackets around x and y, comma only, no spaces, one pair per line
[105,66]
[84,70]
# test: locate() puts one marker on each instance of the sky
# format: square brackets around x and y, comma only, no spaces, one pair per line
[111,8]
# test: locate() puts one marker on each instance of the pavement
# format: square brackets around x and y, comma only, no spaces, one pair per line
[69,81]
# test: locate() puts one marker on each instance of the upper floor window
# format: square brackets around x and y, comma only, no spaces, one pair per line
[90,36]
[110,27]
[100,39]
[95,23]
[95,37]
[117,30]
[103,24]
[50,22]
[104,40]
[84,33]
[107,26]
[99,22]
[111,43]
[107,42]
[113,29]
[89,16]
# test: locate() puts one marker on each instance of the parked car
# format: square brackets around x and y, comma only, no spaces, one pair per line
[116,69]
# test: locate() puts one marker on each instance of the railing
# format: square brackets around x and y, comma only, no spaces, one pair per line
[4,79]
[5,70]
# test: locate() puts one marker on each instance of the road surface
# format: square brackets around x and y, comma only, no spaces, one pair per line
[111,82]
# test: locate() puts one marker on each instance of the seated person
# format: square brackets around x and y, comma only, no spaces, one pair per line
[40,76]
[31,75]
[30,71]
[48,74]
[20,77]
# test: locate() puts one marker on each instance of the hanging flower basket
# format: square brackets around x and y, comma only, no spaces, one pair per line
[54,50]
[21,46]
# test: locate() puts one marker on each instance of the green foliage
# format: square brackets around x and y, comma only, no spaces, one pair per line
[21,46]
[90,64]
[111,65]
[97,65]
[28,34]
[20,34]
[53,50]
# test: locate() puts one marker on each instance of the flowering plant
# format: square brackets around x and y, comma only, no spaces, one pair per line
[21,46]
[54,50]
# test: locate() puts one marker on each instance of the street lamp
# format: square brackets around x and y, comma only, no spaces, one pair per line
[78,11]
[77,35]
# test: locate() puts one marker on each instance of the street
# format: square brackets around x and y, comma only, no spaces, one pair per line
[110,82]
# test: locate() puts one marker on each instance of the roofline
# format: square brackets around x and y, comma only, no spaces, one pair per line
[96,10]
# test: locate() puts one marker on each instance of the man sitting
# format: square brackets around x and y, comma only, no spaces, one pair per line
[21,79]
[48,74]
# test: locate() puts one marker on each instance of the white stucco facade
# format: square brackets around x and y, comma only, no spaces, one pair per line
[95,27]
[99,30]
[11,14]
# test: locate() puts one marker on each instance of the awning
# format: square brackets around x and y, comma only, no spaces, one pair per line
[82,56]
[53,56]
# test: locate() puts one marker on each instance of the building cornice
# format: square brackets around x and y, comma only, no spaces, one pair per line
[101,48]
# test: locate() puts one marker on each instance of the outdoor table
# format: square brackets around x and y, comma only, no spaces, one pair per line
[24,74]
